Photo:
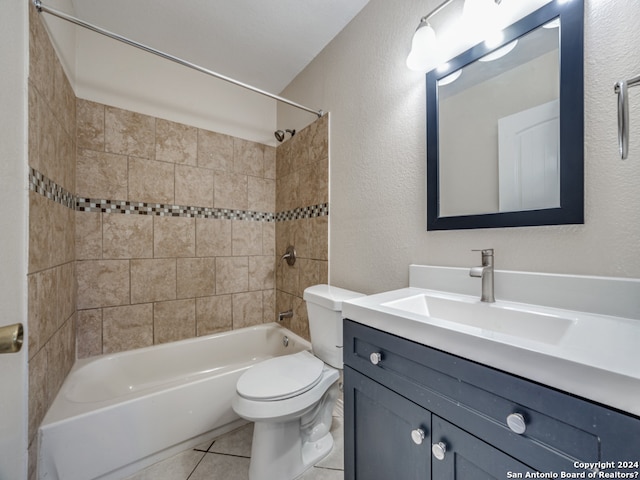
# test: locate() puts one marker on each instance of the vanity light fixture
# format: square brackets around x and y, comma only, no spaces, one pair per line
[481,17]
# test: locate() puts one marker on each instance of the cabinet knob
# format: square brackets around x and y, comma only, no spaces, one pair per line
[439,450]
[375,357]
[516,423]
[417,436]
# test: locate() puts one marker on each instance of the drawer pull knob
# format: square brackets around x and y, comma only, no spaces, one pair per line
[516,423]
[417,436]
[439,450]
[375,357]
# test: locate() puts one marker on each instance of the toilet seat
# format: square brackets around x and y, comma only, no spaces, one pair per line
[281,377]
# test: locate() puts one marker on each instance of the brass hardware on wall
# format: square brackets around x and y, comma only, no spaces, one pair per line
[11,338]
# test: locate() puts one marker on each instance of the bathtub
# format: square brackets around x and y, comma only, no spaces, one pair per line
[116,414]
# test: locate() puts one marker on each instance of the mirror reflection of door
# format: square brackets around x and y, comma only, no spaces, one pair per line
[471,104]
[529,159]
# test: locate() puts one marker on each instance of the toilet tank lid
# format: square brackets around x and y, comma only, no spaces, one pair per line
[329,296]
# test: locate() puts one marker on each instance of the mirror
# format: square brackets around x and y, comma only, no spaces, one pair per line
[505,127]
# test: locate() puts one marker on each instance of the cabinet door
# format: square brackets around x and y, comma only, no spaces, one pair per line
[461,456]
[383,433]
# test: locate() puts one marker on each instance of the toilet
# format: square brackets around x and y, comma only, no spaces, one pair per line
[291,398]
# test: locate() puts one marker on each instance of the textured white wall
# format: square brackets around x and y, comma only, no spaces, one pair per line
[377,156]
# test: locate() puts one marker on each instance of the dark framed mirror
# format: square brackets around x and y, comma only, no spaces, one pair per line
[505,127]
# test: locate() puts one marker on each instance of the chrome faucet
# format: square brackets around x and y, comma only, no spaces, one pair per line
[286,314]
[485,272]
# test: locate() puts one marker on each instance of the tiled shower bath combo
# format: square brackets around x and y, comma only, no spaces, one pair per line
[144,231]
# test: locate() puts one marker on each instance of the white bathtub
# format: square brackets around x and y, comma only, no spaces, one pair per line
[116,414]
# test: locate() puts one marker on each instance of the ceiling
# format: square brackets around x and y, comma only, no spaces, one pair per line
[264,43]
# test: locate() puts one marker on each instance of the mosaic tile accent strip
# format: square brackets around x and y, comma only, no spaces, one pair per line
[304,212]
[48,188]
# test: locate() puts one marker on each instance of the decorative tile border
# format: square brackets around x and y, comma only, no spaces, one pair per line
[48,188]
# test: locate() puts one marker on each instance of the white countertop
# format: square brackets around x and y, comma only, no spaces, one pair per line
[597,358]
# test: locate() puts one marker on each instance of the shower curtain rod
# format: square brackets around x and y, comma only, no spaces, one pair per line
[56,13]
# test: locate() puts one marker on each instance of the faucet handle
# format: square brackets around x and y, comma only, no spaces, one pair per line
[485,251]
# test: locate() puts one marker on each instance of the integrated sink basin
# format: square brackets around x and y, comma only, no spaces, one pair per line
[501,317]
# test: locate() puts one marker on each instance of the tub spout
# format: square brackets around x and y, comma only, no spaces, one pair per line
[283,315]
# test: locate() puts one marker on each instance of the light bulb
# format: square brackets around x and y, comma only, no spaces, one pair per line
[422,56]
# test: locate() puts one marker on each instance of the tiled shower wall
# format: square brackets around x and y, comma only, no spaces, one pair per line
[302,192]
[175,233]
[51,272]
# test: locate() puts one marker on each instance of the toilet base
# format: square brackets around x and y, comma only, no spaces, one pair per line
[281,454]
[284,450]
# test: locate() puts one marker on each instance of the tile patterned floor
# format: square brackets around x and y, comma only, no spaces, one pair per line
[227,458]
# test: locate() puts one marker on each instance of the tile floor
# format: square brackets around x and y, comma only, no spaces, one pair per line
[227,458]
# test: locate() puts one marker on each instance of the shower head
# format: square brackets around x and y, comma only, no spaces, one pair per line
[279,134]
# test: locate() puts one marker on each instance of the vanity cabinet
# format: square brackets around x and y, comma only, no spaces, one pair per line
[413,412]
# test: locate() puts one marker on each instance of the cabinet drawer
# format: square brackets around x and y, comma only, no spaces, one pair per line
[560,429]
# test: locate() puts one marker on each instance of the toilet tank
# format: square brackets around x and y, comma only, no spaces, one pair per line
[324,308]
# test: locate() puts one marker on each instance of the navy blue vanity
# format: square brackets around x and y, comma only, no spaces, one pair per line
[413,412]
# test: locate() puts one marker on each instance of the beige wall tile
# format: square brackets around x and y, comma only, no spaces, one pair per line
[102,283]
[42,309]
[48,155]
[38,395]
[101,175]
[247,309]
[215,151]
[213,237]
[213,314]
[129,133]
[248,157]
[261,194]
[309,274]
[174,237]
[246,238]
[153,280]
[270,162]
[300,320]
[90,117]
[320,236]
[269,306]
[88,235]
[126,328]
[319,139]
[66,291]
[67,160]
[232,275]
[194,186]
[230,191]
[41,59]
[62,240]
[127,236]
[261,273]
[40,232]
[174,320]
[176,143]
[33,102]
[196,277]
[288,277]
[151,181]
[300,150]
[89,334]
[61,353]
[268,238]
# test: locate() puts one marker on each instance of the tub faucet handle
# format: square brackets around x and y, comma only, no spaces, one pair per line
[289,256]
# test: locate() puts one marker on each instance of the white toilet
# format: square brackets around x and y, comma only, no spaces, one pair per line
[291,398]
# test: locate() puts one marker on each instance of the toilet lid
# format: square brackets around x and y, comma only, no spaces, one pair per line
[281,377]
